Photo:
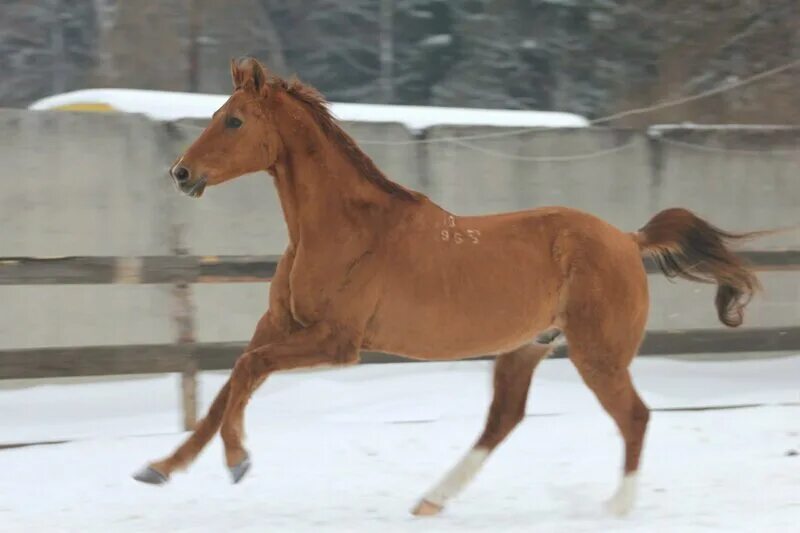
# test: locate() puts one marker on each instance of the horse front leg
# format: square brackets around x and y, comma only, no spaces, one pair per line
[269,329]
[314,346]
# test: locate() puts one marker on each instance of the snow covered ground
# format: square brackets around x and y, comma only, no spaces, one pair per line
[352,449]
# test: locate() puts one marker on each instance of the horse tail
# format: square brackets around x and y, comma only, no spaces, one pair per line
[686,246]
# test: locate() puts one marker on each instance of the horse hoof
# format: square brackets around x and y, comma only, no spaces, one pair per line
[426,508]
[617,508]
[239,470]
[151,476]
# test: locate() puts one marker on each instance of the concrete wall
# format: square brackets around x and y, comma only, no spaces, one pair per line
[96,184]
[83,184]
[626,177]
[498,174]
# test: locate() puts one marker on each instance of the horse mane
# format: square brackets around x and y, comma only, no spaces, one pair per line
[316,104]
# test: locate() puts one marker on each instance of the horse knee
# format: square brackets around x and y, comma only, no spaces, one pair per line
[241,371]
[249,367]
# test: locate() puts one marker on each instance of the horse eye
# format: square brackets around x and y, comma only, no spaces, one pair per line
[232,122]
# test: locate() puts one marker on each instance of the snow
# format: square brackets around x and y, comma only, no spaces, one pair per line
[442,39]
[420,13]
[352,450]
[165,105]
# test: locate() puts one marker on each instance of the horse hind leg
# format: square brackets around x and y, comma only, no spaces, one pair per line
[605,311]
[613,387]
[512,378]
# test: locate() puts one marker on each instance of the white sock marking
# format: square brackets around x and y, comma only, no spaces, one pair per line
[622,501]
[458,477]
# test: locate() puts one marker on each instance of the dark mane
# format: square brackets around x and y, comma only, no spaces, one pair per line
[318,107]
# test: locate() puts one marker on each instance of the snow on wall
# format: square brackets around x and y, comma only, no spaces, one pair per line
[165,105]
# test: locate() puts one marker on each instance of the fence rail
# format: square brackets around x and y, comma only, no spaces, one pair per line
[187,357]
[156,269]
[75,361]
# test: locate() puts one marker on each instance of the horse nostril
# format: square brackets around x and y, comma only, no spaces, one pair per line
[180,173]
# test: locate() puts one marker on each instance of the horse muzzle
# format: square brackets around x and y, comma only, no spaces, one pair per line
[182,177]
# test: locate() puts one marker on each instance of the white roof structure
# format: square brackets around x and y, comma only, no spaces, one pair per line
[164,105]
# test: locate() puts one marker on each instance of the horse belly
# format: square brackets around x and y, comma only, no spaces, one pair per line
[467,316]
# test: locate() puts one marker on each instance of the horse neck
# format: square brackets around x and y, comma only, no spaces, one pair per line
[321,191]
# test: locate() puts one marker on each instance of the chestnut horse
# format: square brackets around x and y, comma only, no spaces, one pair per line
[373,265]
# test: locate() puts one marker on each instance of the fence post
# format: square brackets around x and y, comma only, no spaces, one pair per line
[184,320]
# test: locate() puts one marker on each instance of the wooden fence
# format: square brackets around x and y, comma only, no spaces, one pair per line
[187,357]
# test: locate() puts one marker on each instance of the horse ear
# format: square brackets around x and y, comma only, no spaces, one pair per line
[247,73]
[236,77]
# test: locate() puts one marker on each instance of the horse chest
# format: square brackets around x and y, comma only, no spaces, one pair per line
[308,294]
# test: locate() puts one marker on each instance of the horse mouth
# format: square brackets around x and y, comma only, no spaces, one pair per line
[196,189]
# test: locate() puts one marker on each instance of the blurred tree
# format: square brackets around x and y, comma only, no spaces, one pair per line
[592,57]
[228,30]
[425,43]
[45,47]
[143,44]
[340,50]
[649,51]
